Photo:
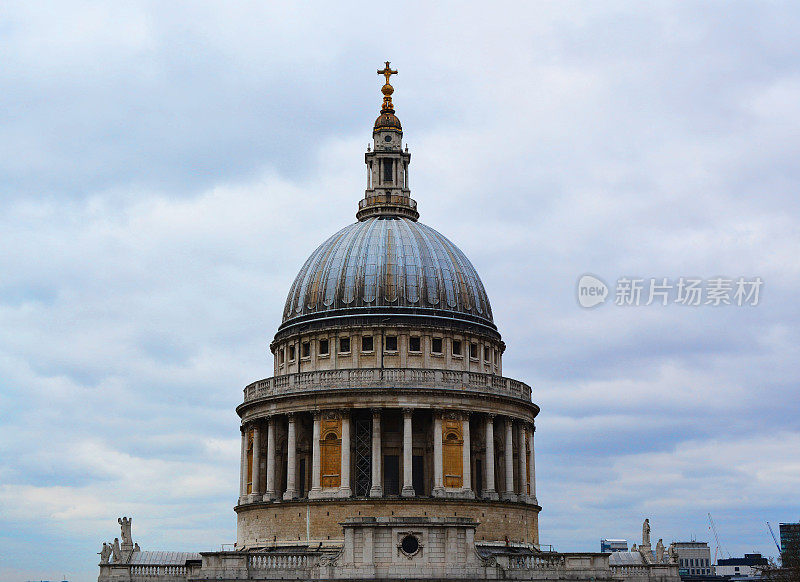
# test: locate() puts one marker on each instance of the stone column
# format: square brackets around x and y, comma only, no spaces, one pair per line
[344,484]
[377,489]
[243,467]
[269,494]
[316,458]
[508,494]
[291,459]
[532,468]
[523,462]
[408,483]
[466,457]
[489,492]
[257,491]
[438,455]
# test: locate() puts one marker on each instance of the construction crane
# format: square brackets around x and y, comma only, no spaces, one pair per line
[719,549]
[774,539]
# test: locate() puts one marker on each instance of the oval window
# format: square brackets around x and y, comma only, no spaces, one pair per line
[410,544]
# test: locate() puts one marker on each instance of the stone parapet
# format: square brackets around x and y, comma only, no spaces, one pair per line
[396,378]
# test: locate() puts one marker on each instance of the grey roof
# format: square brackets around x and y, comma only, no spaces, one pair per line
[163,558]
[625,559]
[387,265]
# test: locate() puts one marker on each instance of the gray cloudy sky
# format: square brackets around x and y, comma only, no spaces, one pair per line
[167,167]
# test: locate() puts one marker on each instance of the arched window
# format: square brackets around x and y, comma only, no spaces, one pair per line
[453,459]
[331,465]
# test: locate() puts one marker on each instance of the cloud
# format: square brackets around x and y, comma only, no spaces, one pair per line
[167,169]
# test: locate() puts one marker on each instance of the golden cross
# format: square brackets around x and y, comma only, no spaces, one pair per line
[387,72]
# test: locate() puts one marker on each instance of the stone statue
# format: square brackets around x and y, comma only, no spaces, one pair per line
[646,532]
[673,553]
[660,551]
[105,553]
[125,524]
[634,548]
[136,548]
[117,553]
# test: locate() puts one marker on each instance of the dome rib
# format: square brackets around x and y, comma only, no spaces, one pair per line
[387,265]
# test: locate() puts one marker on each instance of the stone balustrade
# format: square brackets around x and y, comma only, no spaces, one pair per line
[146,572]
[545,562]
[360,378]
[627,570]
[391,199]
[281,561]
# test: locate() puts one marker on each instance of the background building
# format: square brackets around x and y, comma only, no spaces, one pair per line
[609,545]
[790,543]
[750,565]
[694,558]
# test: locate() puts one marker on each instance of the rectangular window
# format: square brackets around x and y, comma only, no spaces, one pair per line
[280,356]
[324,347]
[487,354]
[306,349]
[436,345]
[388,170]
[344,345]
[291,353]
[456,348]
[366,343]
[473,351]
[414,344]
[391,343]
[391,474]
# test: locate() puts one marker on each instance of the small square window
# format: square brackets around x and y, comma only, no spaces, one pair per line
[456,348]
[291,353]
[344,345]
[306,346]
[324,347]
[391,343]
[473,351]
[436,345]
[414,344]
[366,343]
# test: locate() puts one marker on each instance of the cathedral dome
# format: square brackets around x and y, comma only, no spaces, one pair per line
[388,266]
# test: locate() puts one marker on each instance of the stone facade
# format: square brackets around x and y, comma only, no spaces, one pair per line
[313,522]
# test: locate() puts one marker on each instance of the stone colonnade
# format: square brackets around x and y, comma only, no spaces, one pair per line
[454,453]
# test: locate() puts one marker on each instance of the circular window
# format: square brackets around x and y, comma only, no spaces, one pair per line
[387,138]
[410,544]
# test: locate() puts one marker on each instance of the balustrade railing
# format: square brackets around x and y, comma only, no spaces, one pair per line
[535,562]
[387,378]
[628,569]
[281,561]
[156,570]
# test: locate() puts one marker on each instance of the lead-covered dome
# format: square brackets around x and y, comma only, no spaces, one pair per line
[388,265]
